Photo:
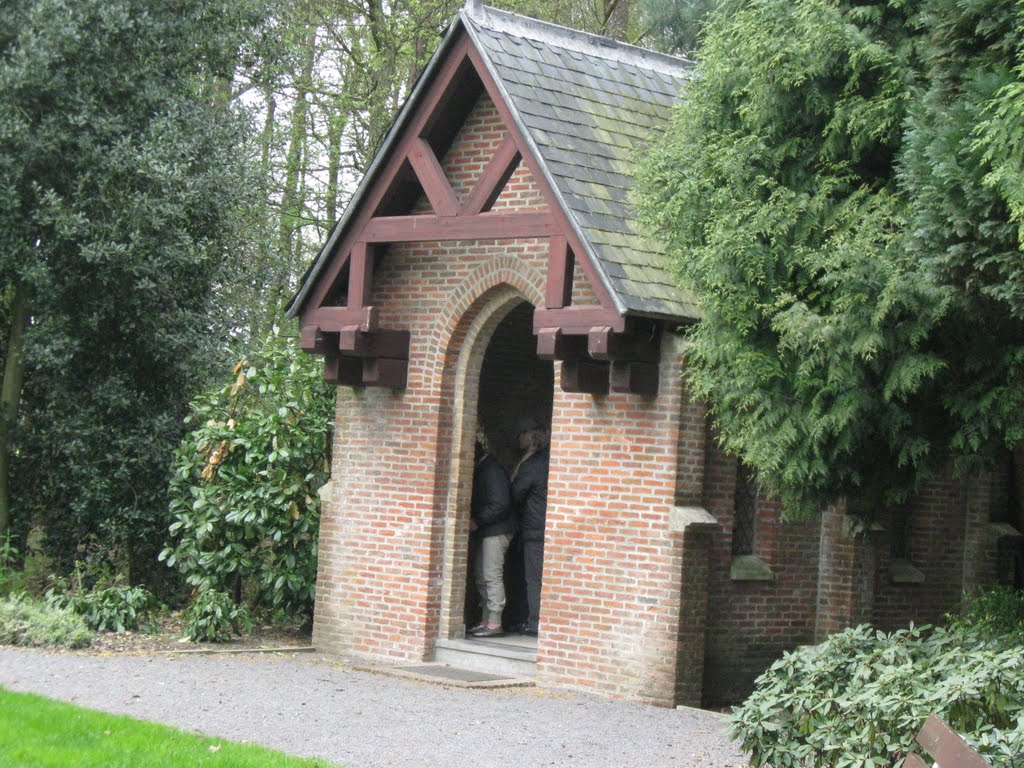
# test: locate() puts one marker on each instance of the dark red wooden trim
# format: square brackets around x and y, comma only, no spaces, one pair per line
[578,320]
[585,376]
[360,276]
[635,378]
[552,344]
[913,761]
[384,372]
[335,318]
[386,176]
[604,344]
[315,342]
[485,226]
[346,371]
[560,271]
[497,173]
[431,175]
[546,191]
[394,344]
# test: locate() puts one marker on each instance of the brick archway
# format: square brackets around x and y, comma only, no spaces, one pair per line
[463,363]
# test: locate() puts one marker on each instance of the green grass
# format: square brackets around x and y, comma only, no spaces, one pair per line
[39,733]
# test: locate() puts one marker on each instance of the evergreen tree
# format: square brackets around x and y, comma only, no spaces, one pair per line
[119,184]
[856,333]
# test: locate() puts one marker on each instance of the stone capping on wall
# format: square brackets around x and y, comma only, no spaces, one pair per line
[750,568]
[902,571]
[1004,531]
[691,520]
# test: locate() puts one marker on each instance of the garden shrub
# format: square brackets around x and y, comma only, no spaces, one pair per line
[860,697]
[24,621]
[212,616]
[11,579]
[115,608]
[993,613]
[244,490]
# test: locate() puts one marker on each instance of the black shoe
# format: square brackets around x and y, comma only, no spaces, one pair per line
[529,632]
[488,632]
[474,629]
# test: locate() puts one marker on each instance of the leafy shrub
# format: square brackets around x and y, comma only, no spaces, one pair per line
[213,615]
[244,491]
[859,698]
[11,579]
[24,621]
[117,608]
[993,613]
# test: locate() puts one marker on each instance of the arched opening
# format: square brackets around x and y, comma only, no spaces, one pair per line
[514,384]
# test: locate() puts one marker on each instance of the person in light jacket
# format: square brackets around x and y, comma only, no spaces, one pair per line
[492,525]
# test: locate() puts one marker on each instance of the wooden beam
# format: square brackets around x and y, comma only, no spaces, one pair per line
[604,344]
[578,320]
[345,371]
[552,344]
[385,177]
[313,341]
[585,376]
[560,271]
[431,175]
[635,378]
[497,173]
[330,319]
[357,343]
[360,276]
[485,226]
[385,372]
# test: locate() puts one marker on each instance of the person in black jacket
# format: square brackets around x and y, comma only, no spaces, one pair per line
[492,525]
[530,502]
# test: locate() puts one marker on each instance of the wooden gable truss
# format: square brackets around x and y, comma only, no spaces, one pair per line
[600,348]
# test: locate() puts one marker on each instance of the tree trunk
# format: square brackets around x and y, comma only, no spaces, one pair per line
[290,202]
[336,124]
[14,370]
[616,18]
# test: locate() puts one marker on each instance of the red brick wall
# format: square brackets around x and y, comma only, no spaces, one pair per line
[750,623]
[383,533]
[612,568]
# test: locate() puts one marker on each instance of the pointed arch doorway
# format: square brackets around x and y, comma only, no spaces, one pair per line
[504,381]
[514,384]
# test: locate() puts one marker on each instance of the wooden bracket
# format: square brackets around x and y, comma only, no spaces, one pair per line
[588,376]
[357,358]
[552,344]
[604,344]
[600,358]
[636,378]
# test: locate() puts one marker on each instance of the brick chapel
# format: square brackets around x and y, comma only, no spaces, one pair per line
[491,266]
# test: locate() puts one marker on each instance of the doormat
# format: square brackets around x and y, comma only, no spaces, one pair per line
[445,675]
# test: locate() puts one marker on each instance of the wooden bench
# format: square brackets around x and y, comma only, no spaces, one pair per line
[946,747]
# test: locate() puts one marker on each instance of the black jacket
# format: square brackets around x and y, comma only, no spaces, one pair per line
[491,508]
[530,495]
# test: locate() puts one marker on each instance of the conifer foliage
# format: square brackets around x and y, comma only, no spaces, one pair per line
[839,190]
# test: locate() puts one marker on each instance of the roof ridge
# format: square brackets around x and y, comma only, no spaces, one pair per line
[497,20]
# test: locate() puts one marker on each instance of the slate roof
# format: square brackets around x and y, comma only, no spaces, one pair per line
[590,105]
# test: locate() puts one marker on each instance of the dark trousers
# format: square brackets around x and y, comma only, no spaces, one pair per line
[533,565]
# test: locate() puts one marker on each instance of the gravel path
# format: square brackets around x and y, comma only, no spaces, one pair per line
[308,705]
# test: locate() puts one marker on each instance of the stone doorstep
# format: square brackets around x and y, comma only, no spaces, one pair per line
[444,674]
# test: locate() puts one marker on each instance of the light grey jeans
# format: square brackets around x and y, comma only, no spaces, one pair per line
[490,576]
